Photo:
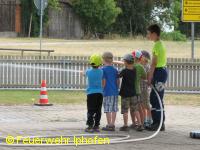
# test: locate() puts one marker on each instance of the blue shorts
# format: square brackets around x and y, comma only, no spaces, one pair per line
[110,104]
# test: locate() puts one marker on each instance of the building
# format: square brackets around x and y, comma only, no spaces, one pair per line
[63,23]
[10,18]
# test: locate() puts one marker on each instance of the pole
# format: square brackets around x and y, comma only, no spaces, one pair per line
[41,18]
[192,38]
[30,24]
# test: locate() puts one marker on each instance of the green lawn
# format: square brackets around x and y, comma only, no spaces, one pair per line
[16,97]
[19,97]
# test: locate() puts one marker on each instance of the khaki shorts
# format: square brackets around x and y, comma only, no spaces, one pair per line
[145,99]
[129,102]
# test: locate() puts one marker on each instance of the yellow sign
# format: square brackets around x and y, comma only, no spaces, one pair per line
[191,11]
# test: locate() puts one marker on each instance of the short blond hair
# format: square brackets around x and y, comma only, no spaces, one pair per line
[107,57]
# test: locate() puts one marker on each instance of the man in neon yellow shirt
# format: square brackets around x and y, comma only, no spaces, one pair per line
[157,76]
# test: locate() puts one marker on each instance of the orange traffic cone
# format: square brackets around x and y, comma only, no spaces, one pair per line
[43,95]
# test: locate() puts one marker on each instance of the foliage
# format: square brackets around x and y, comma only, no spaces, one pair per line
[116,17]
[134,18]
[96,15]
[173,36]
[28,10]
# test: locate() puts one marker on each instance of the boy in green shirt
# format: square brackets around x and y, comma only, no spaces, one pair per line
[157,76]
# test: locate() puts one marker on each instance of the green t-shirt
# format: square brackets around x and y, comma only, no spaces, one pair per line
[159,50]
[140,73]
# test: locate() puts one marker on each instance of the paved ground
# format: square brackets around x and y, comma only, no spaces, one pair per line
[70,119]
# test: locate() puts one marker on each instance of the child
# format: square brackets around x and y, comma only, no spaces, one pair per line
[157,76]
[111,83]
[137,55]
[145,102]
[128,93]
[94,94]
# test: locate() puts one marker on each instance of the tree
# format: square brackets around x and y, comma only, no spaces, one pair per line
[172,17]
[96,15]
[134,18]
[166,13]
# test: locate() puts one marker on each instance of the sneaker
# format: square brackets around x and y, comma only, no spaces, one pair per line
[96,129]
[132,126]
[124,128]
[139,128]
[154,127]
[108,128]
[89,130]
[146,125]
[163,127]
[112,128]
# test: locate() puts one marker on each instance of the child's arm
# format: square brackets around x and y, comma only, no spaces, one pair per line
[153,66]
[82,73]
[118,62]
[142,72]
[118,82]
[148,73]
[144,75]
[120,74]
[103,83]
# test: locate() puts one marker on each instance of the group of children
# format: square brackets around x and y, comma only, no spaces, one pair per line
[136,76]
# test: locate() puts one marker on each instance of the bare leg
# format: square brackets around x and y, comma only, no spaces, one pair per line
[149,113]
[108,116]
[142,113]
[133,118]
[145,115]
[125,116]
[137,115]
[113,118]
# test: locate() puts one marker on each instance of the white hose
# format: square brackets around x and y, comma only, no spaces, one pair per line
[122,138]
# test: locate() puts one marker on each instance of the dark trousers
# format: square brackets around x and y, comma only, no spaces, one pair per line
[94,105]
[159,79]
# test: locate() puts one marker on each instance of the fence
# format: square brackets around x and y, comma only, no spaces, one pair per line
[28,50]
[63,72]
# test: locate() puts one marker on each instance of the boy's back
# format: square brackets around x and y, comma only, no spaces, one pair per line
[140,73]
[95,77]
[128,82]
[111,77]
[143,83]
[159,50]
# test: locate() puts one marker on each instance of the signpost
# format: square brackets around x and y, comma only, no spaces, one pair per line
[41,5]
[191,13]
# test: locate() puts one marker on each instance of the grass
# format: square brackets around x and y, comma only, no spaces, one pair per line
[21,97]
[182,99]
[119,47]
[18,97]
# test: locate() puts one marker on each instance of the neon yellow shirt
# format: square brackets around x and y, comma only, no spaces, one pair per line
[159,50]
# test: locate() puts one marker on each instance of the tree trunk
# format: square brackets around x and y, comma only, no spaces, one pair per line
[30,25]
